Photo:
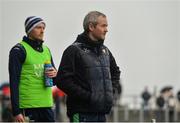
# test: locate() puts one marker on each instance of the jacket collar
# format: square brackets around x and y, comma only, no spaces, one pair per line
[84,38]
[35,44]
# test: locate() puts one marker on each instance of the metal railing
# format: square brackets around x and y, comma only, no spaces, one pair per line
[124,114]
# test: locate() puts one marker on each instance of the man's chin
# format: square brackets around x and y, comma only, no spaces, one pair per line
[41,39]
[102,38]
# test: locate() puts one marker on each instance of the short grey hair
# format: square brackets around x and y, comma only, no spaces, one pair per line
[91,17]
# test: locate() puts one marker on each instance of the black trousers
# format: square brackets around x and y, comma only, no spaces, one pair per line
[88,117]
[39,114]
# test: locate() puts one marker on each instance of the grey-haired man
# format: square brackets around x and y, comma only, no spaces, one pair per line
[88,73]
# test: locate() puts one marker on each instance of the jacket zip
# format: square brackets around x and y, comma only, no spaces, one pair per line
[98,55]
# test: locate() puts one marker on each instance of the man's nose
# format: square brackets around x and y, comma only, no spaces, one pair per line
[42,30]
[106,30]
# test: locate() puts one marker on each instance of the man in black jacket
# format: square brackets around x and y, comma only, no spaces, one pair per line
[88,73]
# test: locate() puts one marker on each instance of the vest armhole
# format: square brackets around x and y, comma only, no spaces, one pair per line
[44,46]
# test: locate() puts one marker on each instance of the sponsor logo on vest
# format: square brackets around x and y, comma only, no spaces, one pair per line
[39,70]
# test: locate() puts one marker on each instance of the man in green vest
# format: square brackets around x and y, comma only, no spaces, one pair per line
[30,97]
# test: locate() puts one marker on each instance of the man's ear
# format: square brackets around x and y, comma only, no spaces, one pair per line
[91,27]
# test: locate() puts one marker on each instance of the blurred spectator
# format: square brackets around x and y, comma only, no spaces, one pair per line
[5,103]
[178,96]
[167,100]
[165,94]
[58,96]
[146,97]
[178,102]
[160,102]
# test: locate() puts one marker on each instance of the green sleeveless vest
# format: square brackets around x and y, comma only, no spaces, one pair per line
[32,91]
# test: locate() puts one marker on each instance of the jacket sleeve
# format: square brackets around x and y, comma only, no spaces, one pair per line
[16,58]
[115,76]
[65,76]
[52,62]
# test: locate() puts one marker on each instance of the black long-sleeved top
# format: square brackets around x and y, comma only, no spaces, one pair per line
[17,57]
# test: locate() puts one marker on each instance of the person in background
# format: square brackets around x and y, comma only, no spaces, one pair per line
[30,98]
[6,109]
[58,97]
[146,97]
